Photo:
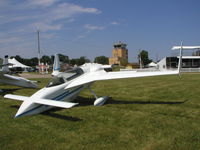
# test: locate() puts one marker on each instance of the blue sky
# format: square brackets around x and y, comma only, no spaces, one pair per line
[90,27]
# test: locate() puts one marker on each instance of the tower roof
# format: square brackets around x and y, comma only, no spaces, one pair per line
[120,45]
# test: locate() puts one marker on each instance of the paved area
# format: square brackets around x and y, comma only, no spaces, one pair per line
[29,75]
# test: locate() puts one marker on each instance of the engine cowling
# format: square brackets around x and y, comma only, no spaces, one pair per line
[100,101]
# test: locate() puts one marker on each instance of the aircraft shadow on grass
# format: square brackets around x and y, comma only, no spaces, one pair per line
[89,101]
[111,101]
[54,115]
[8,91]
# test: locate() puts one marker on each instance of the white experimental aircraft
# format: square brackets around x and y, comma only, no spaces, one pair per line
[66,86]
[6,78]
[56,66]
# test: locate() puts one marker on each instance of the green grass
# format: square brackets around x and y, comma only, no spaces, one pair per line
[153,113]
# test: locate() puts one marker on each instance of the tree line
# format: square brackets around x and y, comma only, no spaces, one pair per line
[63,59]
[142,56]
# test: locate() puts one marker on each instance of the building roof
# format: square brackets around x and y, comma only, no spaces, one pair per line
[190,57]
[186,47]
[120,45]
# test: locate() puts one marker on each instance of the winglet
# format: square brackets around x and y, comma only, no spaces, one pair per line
[180,60]
[56,65]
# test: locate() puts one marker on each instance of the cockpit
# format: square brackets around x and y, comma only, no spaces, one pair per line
[65,76]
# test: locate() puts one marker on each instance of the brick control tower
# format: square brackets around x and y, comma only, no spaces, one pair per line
[119,52]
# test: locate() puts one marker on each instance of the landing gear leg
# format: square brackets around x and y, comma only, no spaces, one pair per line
[99,101]
[92,92]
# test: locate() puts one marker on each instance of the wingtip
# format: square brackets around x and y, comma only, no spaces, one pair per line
[76,104]
[73,104]
[7,95]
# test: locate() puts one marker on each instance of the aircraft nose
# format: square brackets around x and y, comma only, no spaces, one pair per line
[20,112]
[17,114]
[24,109]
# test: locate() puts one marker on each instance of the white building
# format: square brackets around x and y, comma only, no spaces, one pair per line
[189,63]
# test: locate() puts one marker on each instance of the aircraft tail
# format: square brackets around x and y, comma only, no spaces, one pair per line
[56,65]
[180,59]
[5,64]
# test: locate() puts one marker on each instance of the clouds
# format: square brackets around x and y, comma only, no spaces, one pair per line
[93,27]
[58,21]
[46,14]
[67,10]
[9,39]
[41,3]
[88,28]
[21,19]
[114,23]
[45,26]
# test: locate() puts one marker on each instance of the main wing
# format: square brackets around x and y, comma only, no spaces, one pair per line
[185,47]
[10,77]
[102,75]
[41,101]
[18,81]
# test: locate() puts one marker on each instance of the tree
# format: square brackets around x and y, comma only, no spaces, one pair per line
[144,57]
[101,60]
[34,62]
[18,58]
[49,59]
[46,59]
[64,58]
[82,60]
[73,61]
[79,61]
[1,61]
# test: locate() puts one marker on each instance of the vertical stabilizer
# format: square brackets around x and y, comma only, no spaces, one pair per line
[56,65]
[5,64]
[180,59]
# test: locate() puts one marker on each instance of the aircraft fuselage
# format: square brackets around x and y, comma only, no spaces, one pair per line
[57,93]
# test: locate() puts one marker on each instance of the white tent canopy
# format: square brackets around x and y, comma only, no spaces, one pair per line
[15,63]
[152,64]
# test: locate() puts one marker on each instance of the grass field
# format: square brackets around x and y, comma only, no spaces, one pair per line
[153,113]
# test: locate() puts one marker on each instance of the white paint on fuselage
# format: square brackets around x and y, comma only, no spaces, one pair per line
[57,93]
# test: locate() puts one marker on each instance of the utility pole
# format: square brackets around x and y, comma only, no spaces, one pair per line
[140,59]
[38,36]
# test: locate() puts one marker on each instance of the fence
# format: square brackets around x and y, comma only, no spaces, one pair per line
[153,69]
